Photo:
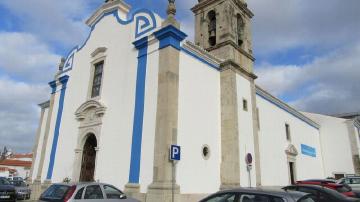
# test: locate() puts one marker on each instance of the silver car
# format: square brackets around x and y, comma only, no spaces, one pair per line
[83,192]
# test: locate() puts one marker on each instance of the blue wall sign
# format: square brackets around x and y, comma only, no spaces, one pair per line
[307,150]
[175,153]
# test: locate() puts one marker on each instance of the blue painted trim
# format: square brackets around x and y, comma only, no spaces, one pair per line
[308,151]
[63,80]
[52,84]
[284,108]
[130,18]
[134,175]
[170,36]
[217,67]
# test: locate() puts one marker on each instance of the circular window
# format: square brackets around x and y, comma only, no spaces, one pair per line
[205,151]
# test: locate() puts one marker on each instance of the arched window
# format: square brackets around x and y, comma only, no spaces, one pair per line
[240,29]
[212,27]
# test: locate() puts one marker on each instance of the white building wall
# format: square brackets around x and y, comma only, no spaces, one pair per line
[198,125]
[273,143]
[40,143]
[246,136]
[117,94]
[335,144]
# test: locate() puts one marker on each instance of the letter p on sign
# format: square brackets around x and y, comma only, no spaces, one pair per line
[175,153]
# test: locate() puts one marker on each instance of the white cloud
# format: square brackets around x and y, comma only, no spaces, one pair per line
[19,113]
[323,24]
[24,56]
[330,84]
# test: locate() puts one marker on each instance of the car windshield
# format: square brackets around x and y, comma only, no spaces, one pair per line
[18,183]
[55,192]
[4,181]
[342,189]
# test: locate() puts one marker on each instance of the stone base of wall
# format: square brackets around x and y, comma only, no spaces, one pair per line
[37,188]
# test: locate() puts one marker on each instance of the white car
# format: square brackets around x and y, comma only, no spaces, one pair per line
[83,192]
[352,181]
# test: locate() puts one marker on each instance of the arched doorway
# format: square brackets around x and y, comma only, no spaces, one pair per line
[88,159]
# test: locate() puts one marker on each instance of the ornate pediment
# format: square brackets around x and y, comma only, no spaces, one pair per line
[291,150]
[90,112]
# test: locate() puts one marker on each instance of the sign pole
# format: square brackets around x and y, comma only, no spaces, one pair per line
[173,182]
[175,155]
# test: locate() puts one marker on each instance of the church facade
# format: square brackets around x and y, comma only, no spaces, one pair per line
[137,86]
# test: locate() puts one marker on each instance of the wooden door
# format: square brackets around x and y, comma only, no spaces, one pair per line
[88,160]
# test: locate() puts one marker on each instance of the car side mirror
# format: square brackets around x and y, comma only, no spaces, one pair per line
[123,196]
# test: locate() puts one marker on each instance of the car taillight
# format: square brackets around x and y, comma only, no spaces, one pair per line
[70,193]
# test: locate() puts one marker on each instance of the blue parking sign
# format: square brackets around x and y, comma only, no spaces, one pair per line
[175,153]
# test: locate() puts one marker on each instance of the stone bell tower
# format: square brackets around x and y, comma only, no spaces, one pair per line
[223,27]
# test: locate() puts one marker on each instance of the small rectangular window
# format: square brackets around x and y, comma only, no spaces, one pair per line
[287,128]
[98,71]
[245,105]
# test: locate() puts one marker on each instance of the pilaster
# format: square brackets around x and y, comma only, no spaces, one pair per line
[63,80]
[167,114]
[230,161]
[52,84]
[43,106]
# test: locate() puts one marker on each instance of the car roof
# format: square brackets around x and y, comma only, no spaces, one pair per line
[267,191]
[318,187]
[81,183]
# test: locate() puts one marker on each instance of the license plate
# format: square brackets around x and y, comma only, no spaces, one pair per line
[4,196]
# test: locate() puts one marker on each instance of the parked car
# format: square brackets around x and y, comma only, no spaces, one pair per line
[7,191]
[352,181]
[81,192]
[341,188]
[258,195]
[321,193]
[22,190]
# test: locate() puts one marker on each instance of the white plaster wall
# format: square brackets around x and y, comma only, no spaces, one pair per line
[335,144]
[149,124]
[246,134]
[40,143]
[273,143]
[198,124]
[118,95]
[4,174]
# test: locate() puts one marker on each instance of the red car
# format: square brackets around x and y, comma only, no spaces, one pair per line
[346,190]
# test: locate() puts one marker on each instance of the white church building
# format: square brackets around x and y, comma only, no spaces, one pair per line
[137,86]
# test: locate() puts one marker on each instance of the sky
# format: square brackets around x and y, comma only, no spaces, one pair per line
[307,54]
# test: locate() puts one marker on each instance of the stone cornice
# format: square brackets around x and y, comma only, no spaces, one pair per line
[230,63]
[199,51]
[233,44]
[107,7]
[205,3]
[44,105]
[285,107]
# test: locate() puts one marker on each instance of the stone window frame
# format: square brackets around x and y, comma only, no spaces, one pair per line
[98,56]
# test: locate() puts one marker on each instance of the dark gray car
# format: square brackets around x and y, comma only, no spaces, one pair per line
[258,195]
[84,192]
[22,190]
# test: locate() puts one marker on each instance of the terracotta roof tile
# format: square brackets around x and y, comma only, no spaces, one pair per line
[10,162]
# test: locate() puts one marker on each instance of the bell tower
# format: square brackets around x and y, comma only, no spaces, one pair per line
[222,27]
